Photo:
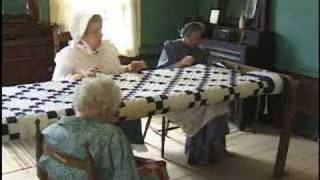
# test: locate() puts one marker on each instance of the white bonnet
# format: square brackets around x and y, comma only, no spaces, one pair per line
[79,25]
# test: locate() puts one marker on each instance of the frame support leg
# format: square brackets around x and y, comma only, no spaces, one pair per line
[289,113]
[147,127]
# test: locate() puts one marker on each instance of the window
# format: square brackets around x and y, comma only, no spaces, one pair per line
[121,20]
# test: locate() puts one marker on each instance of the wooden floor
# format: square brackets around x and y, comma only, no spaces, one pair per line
[252,158]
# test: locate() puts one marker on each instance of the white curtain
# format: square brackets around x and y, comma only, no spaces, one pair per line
[121,20]
[122,25]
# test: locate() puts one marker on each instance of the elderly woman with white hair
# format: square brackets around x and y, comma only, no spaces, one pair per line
[87,54]
[92,124]
[112,155]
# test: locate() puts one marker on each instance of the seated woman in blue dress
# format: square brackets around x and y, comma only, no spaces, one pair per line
[93,124]
[208,142]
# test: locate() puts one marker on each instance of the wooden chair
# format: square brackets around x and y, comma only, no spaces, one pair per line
[42,147]
[60,39]
[163,132]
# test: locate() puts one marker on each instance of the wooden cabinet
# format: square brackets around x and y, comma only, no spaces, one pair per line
[225,50]
[27,51]
[255,51]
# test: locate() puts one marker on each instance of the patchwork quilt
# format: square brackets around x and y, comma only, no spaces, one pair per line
[144,94]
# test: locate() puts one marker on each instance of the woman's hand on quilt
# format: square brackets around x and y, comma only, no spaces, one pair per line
[186,61]
[92,71]
[76,76]
[136,66]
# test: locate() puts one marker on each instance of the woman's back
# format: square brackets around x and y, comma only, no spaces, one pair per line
[111,152]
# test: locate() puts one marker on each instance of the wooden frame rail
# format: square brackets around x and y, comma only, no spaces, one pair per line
[288,100]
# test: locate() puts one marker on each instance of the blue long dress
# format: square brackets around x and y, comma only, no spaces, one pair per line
[201,147]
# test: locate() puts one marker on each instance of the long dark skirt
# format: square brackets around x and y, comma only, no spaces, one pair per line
[132,129]
[203,147]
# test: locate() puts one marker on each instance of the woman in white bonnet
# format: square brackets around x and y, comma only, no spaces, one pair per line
[87,54]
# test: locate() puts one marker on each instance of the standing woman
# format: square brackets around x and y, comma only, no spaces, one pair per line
[87,54]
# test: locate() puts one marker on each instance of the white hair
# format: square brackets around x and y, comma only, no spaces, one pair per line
[97,97]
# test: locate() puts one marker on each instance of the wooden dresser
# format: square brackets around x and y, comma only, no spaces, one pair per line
[27,51]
